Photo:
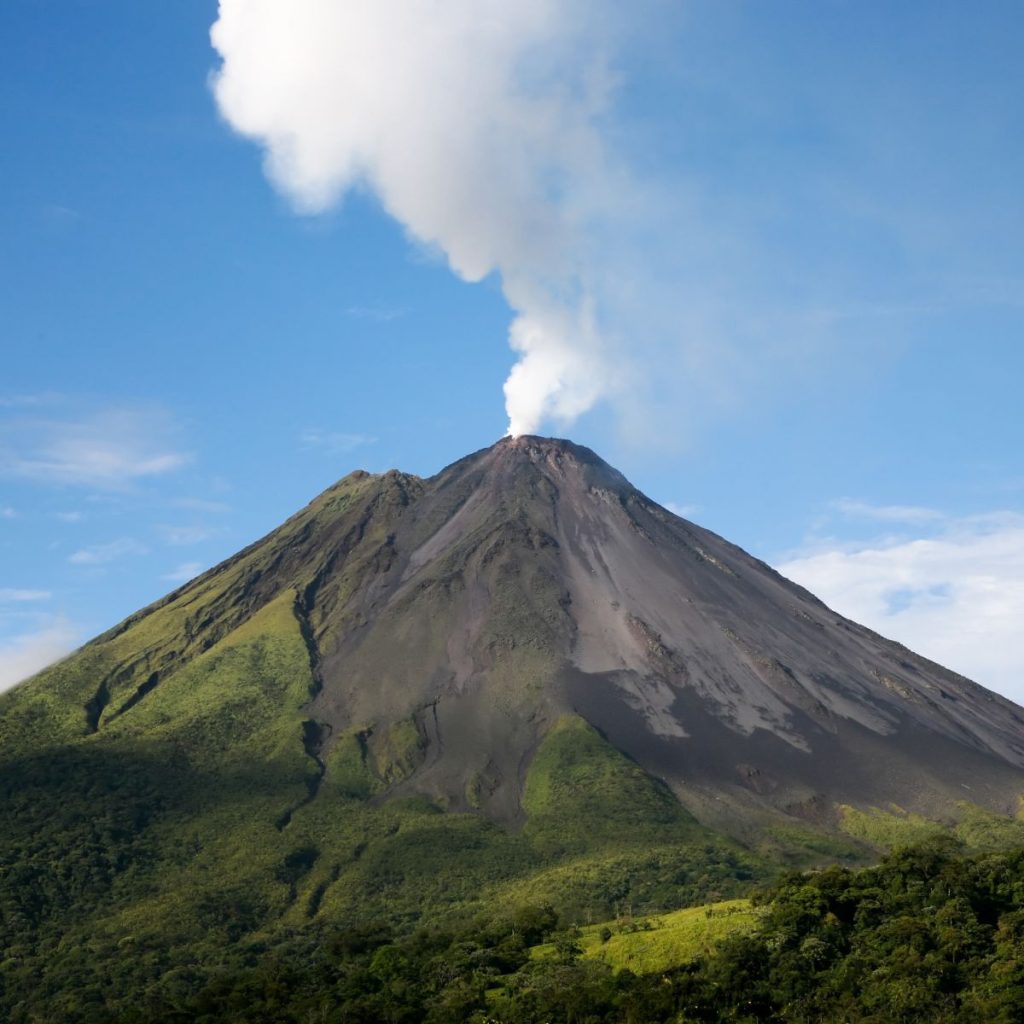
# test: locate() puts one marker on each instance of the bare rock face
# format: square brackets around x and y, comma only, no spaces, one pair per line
[452,621]
[531,580]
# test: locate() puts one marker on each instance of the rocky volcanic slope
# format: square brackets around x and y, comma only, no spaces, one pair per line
[449,623]
[531,580]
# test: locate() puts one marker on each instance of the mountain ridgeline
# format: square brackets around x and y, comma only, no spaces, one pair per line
[517,681]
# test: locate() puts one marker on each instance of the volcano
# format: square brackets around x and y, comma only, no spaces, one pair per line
[517,683]
[531,580]
[450,623]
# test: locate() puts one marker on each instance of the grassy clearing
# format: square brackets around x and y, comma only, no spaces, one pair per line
[887,829]
[979,829]
[649,945]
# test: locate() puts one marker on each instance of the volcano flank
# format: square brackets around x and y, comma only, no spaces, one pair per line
[519,678]
[531,581]
[472,611]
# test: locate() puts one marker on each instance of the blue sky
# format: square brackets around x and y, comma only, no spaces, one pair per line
[769,256]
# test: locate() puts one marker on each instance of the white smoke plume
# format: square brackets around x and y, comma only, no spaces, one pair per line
[476,124]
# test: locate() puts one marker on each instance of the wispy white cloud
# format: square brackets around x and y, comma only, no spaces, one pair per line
[29,400]
[201,505]
[13,594]
[185,572]
[58,216]
[70,517]
[23,655]
[8,512]
[109,449]
[909,514]
[683,511]
[333,442]
[955,596]
[101,554]
[182,536]
[381,314]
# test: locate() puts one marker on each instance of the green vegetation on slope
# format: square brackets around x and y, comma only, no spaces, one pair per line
[255,593]
[653,945]
[580,791]
[978,828]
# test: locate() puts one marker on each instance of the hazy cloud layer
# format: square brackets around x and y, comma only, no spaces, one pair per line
[955,596]
[683,511]
[378,314]
[201,505]
[910,514]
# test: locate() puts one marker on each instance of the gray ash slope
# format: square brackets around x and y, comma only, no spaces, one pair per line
[531,580]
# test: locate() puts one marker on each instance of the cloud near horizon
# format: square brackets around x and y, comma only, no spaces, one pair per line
[955,596]
[183,536]
[910,514]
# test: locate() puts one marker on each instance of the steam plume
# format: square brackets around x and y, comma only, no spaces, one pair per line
[475,122]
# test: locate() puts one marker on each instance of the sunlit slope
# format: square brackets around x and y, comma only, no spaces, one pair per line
[123,673]
[651,944]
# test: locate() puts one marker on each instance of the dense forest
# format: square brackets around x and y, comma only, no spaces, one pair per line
[930,934]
